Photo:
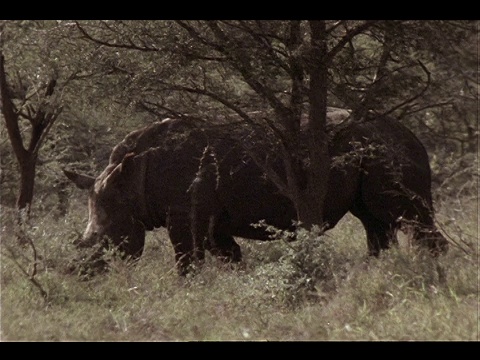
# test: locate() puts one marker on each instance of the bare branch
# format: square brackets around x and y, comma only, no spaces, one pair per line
[12,255]
[130,45]
[349,36]
[380,75]
[413,98]
[243,65]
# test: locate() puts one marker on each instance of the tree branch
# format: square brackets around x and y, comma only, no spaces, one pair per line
[348,37]
[413,98]
[129,46]
[242,64]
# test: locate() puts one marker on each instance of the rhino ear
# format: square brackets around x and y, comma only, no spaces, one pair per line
[81,181]
[121,171]
[128,164]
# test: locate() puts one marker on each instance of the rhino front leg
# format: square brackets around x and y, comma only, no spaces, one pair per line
[187,252]
[225,248]
[220,241]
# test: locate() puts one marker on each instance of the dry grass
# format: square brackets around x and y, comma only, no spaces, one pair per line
[328,293]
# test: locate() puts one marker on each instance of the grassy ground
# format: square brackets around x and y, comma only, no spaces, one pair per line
[308,290]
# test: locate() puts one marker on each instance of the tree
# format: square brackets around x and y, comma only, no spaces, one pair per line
[289,70]
[423,72]
[427,76]
[41,117]
[238,67]
[36,73]
[304,182]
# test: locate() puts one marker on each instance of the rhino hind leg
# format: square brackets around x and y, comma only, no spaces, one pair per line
[419,215]
[432,239]
[381,226]
[380,235]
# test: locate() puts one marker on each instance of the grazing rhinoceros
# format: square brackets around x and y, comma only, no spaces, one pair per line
[204,188]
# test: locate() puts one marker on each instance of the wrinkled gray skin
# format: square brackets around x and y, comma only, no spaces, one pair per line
[205,189]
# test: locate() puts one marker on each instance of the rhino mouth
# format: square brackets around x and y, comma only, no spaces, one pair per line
[90,261]
[88,268]
[96,259]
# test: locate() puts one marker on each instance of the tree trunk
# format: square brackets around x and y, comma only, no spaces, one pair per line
[27,182]
[310,198]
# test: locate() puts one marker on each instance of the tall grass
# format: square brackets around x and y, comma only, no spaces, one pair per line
[313,289]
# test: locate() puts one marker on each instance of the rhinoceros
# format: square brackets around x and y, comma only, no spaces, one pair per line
[202,185]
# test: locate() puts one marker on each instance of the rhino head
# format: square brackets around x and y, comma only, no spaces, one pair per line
[112,210]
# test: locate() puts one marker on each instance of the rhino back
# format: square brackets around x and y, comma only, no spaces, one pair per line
[143,139]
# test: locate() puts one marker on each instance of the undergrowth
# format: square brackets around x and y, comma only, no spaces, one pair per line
[315,288]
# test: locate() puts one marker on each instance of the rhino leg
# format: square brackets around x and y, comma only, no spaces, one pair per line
[428,236]
[186,251]
[380,234]
[220,243]
[425,232]
[225,248]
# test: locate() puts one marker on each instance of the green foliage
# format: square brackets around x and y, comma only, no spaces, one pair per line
[307,268]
